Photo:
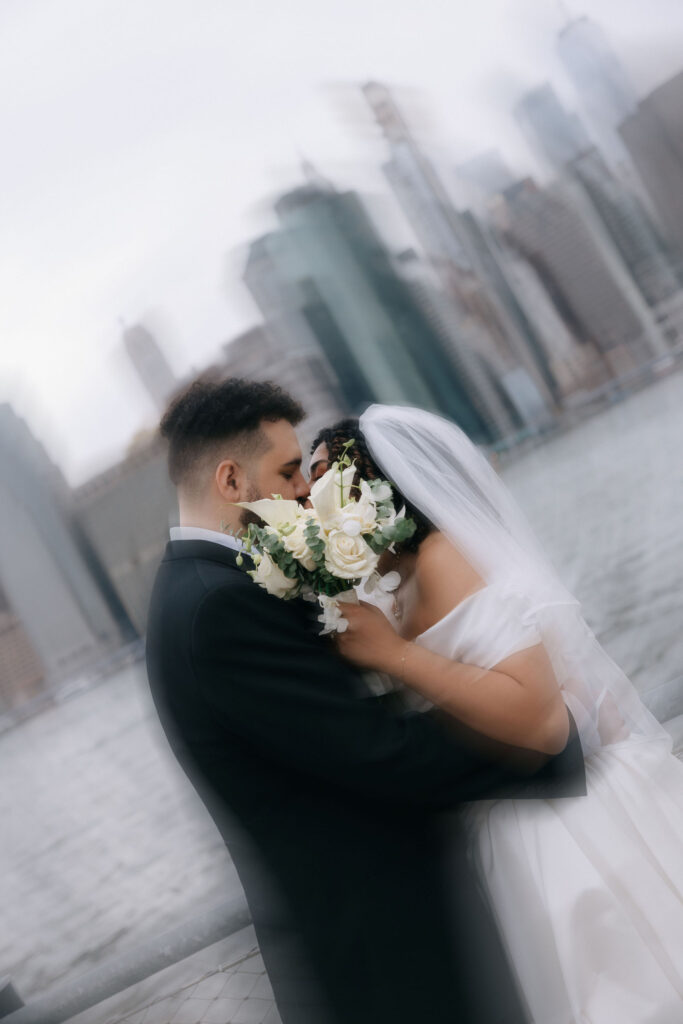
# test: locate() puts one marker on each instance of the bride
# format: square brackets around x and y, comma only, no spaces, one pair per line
[587,892]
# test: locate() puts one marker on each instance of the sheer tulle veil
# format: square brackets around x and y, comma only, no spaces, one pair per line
[445,476]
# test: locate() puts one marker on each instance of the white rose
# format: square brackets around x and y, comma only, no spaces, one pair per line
[348,558]
[357,517]
[297,545]
[267,574]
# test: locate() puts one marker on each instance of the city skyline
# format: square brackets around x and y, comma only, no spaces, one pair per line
[544,299]
[64,348]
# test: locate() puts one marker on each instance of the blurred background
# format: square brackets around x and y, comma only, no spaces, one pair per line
[479,212]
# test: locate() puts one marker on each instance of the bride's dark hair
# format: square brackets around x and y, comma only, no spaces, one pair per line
[336,438]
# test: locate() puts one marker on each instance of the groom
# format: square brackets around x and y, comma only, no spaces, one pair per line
[330,802]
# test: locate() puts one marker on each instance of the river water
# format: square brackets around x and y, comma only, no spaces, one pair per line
[104,843]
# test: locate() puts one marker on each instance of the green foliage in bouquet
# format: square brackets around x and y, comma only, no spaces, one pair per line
[331,547]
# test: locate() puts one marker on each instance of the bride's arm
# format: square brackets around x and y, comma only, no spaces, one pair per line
[517,702]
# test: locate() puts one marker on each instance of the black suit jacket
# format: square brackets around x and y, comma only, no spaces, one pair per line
[328,803]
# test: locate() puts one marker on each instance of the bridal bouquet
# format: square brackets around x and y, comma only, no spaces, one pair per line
[325,551]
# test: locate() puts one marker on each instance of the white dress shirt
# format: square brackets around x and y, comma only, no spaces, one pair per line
[199,533]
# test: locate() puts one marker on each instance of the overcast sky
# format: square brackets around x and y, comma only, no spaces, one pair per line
[145,139]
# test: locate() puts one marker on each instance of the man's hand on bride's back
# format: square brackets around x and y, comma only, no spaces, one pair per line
[370,640]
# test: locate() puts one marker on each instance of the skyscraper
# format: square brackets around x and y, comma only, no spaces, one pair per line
[125,512]
[328,264]
[297,316]
[44,568]
[622,215]
[555,135]
[283,350]
[577,270]
[606,94]
[150,364]
[445,318]
[628,225]
[494,342]
[485,175]
[571,367]
[653,135]
[577,368]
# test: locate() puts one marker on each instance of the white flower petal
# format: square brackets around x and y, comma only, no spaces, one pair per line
[348,558]
[372,582]
[297,544]
[390,581]
[325,497]
[273,511]
[347,481]
[367,491]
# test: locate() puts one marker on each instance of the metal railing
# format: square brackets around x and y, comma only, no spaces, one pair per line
[118,974]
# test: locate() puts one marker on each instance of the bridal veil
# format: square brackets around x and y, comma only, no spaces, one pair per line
[450,481]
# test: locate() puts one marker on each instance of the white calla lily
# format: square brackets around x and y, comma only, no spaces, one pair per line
[330,493]
[275,512]
[370,583]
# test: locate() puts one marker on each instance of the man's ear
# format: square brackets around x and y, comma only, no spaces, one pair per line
[229,478]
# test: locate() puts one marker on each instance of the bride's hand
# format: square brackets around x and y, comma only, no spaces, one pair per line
[370,640]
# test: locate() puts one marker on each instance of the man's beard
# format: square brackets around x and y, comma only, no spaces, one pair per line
[247,517]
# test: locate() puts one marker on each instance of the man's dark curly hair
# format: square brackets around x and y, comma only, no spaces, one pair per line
[210,412]
[335,438]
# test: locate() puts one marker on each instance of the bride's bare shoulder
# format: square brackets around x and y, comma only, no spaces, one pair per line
[443,575]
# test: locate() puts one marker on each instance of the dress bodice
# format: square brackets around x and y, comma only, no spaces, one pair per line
[486,627]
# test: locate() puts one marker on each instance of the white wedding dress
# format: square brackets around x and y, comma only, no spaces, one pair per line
[587,891]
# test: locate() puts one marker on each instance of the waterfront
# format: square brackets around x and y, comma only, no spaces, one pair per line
[105,843]
[606,500]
